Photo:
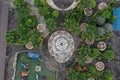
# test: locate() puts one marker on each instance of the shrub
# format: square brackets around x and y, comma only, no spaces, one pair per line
[92,3]
[31,22]
[107,75]
[72,26]
[100,20]
[108,27]
[26,27]
[55,13]
[94,54]
[108,54]
[107,14]
[91,33]
[83,53]
[37,39]
[12,37]
[93,70]
[101,31]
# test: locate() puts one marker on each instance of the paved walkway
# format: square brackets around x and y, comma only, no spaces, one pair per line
[3,30]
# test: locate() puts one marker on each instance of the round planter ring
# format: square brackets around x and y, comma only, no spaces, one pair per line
[83,27]
[101,45]
[29,45]
[89,42]
[53,5]
[102,6]
[91,79]
[100,66]
[41,27]
[89,60]
[88,11]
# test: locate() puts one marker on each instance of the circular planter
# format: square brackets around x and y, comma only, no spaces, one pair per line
[54,6]
[61,46]
[91,79]
[29,45]
[83,27]
[100,66]
[41,27]
[102,6]
[101,45]
[88,11]
[89,60]
[89,42]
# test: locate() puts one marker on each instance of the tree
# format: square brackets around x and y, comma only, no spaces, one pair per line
[94,54]
[91,33]
[84,51]
[72,26]
[92,3]
[108,54]
[31,22]
[19,3]
[108,27]
[12,37]
[51,24]
[71,73]
[100,20]
[22,12]
[107,75]
[22,29]
[101,31]
[55,13]
[107,14]
[37,3]
[37,39]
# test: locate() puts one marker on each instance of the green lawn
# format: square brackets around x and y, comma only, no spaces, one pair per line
[22,58]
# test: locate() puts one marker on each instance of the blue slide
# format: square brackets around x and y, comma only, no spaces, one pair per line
[116,24]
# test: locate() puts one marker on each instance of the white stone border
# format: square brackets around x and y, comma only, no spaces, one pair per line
[72,6]
[14,65]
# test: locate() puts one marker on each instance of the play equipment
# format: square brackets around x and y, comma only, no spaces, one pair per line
[37,77]
[25,71]
[116,24]
[33,55]
[43,78]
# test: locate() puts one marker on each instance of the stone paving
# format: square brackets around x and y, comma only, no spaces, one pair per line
[61,46]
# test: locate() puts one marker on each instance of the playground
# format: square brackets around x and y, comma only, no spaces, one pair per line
[28,68]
